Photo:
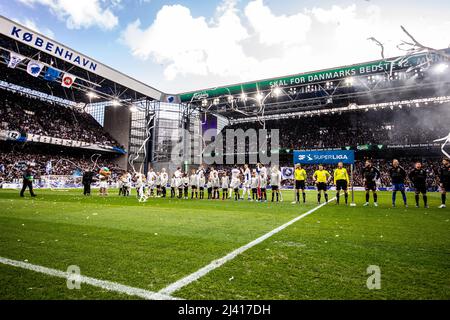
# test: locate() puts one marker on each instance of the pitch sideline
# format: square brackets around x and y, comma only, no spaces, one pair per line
[167,291]
[107,285]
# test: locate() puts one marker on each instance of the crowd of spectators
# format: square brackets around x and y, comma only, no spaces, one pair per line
[20,112]
[14,162]
[409,125]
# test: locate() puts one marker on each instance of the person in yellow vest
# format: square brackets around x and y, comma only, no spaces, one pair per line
[322,178]
[341,181]
[300,182]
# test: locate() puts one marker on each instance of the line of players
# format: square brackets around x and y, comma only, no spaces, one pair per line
[254,183]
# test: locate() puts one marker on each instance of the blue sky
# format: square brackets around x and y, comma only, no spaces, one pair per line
[179,45]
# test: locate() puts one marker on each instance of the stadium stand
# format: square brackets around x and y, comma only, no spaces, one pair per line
[409,125]
[26,114]
[64,161]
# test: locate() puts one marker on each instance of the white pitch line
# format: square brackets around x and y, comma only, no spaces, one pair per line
[110,286]
[219,262]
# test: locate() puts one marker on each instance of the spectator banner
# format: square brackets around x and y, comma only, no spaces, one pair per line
[14,59]
[11,135]
[51,74]
[287,173]
[68,80]
[29,137]
[324,157]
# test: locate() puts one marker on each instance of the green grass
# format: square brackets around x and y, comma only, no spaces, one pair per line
[150,245]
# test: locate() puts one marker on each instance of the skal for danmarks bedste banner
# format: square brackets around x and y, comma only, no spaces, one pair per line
[324,156]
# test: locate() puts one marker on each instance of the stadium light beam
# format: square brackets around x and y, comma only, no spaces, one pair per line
[115,103]
[440,68]
[277,91]
[91,95]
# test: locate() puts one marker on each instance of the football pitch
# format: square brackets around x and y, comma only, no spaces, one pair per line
[152,246]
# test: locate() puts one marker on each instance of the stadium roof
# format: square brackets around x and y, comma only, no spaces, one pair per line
[407,77]
[94,79]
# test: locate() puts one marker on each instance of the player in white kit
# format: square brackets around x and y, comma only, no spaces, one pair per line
[179,182]
[151,179]
[225,184]
[201,182]
[193,182]
[247,182]
[164,181]
[235,182]
[254,185]
[275,182]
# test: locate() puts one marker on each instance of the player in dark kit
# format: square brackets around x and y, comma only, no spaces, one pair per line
[444,180]
[27,182]
[88,177]
[370,175]
[418,177]
[398,176]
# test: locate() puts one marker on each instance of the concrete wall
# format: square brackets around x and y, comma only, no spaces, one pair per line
[117,123]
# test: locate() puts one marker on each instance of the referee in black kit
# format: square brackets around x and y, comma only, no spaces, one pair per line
[27,182]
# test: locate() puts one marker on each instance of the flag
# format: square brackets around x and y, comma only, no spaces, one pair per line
[51,74]
[287,173]
[68,80]
[14,59]
[34,68]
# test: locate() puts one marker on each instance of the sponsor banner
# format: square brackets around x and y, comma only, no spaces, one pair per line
[287,173]
[15,59]
[324,157]
[363,69]
[413,145]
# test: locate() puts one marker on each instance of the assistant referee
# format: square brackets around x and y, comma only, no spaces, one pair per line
[300,182]
[341,181]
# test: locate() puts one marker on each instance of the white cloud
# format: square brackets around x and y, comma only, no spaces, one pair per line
[244,45]
[81,13]
[189,45]
[277,30]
